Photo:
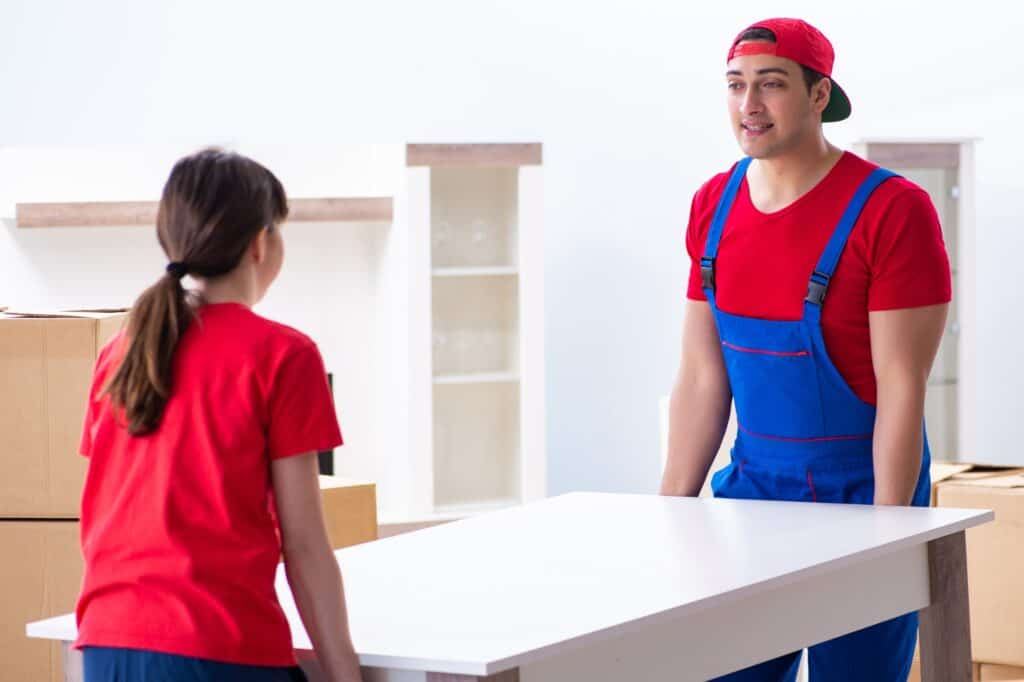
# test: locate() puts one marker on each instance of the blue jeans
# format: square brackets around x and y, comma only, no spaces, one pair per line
[103,664]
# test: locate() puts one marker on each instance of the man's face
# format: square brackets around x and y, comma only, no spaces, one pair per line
[770,108]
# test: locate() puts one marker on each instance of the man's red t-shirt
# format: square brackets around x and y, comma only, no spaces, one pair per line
[179,533]
[895,258]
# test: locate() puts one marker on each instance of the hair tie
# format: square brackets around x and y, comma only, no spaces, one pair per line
[176,269]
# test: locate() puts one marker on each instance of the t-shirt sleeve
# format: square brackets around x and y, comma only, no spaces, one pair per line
[695,246]
[100,372]
[909,263]
[91,409]
[301,416]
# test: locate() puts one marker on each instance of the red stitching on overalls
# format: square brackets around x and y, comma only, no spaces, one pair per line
[758,351]
[803,440]
[810,483]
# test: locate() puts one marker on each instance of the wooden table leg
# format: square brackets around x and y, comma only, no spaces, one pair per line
[945,625]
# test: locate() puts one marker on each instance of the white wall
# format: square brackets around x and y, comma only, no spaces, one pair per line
[628,100]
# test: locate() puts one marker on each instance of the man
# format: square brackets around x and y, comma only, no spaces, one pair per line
[818,294]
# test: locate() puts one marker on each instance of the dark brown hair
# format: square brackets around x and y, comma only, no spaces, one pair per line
[213,205]
[811,77]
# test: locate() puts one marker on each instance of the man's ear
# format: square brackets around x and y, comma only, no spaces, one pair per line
[821,93]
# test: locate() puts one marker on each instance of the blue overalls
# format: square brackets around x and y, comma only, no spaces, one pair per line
[804,435]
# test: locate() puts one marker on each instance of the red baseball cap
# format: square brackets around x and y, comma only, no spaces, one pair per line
[797,40]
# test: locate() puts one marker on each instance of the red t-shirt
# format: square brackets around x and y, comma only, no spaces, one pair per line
[895,258]
[179,534]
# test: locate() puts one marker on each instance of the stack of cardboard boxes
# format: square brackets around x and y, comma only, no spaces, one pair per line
[995,567]
[995,564]
[46,365]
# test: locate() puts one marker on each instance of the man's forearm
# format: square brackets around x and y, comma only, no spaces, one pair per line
[898,442]
[903,347]
[698,417]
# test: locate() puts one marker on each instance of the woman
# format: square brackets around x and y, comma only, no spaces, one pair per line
[201,432]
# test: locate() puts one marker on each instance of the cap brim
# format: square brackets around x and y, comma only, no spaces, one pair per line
[838,108]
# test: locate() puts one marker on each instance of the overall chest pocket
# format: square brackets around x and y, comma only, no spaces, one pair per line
[775,387]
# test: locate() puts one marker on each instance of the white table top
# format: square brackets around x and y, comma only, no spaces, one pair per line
[504,589]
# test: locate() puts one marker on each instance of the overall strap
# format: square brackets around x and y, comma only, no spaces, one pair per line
[707,263]
[818,285]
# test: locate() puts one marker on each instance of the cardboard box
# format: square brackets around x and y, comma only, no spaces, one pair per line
[350,510]
[941,471]
[46,365]
[1001,673]
[995,563]
[40,577]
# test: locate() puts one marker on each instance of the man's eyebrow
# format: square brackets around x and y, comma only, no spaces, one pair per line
[760,72]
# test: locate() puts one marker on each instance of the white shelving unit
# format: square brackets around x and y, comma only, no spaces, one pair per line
[478,274]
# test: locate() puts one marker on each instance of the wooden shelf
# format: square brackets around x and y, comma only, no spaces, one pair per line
[86,214]
[341,209]
[476,378]
[473,155]
[495,271]
[143,213]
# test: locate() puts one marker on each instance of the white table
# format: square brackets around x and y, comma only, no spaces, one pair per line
[604,588]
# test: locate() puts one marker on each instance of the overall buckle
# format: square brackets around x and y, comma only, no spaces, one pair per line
[817,288]
[707,273]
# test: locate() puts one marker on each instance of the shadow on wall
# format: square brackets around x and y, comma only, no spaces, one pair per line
[73,267]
